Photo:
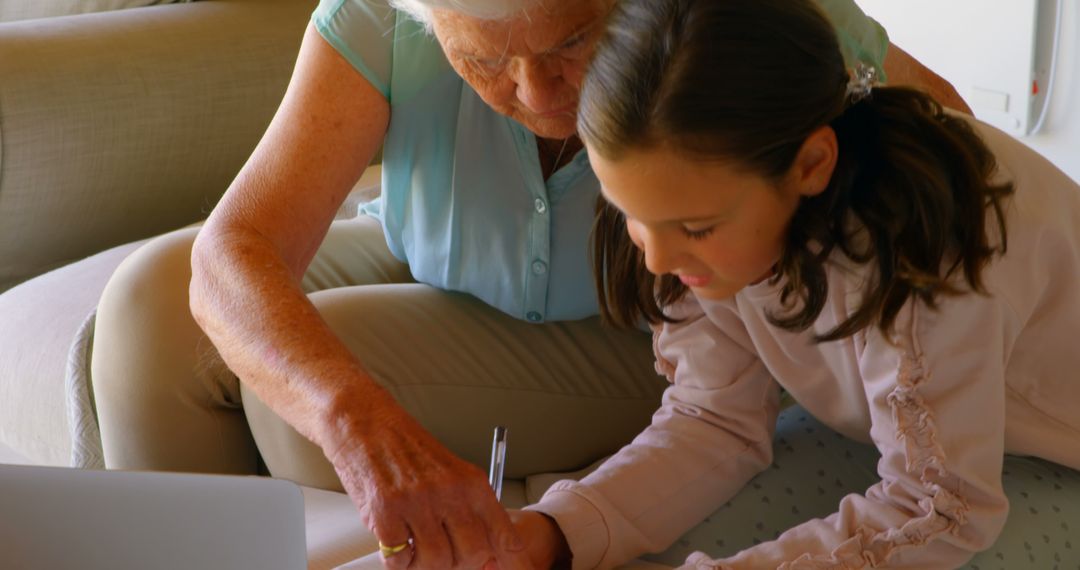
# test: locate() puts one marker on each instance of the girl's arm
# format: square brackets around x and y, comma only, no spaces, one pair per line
[937,401]
[712,434]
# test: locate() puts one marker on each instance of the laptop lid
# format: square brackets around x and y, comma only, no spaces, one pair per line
[54,518]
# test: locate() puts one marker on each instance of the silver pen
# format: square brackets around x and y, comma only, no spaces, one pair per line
[498,461]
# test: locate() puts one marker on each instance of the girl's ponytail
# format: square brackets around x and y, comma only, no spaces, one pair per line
[910,194]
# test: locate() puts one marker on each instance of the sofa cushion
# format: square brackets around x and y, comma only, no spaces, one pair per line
[41,319]
[11,10]
[120,125]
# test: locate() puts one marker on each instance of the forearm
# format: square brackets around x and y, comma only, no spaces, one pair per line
[670,477]
[904,70]
[249,303]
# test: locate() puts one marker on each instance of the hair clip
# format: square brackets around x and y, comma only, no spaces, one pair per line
[862,81]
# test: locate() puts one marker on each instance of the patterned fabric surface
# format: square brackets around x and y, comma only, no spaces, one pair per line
[814,467]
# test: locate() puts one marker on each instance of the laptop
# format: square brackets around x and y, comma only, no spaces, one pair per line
[54,518]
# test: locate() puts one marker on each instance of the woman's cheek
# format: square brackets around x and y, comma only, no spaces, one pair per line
[497,92]
[574,72]
[485,84]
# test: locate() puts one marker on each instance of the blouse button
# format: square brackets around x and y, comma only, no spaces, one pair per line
[534,317]
[541,206]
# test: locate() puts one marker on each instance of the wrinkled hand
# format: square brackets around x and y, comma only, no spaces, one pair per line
[545,543]
[410,489]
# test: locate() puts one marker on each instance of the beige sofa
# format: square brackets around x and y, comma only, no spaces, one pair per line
[114,126]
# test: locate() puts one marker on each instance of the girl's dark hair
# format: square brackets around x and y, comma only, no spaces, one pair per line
[747,81]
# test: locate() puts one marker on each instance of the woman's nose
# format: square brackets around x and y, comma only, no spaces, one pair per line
[538,85]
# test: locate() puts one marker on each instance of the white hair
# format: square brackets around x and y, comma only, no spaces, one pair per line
[420,10]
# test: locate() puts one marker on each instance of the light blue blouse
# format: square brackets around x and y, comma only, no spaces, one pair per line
[463,199]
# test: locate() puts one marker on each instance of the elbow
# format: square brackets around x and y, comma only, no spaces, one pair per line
[205,259]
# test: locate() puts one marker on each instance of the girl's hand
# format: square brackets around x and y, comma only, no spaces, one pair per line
[545,543]
[428,508]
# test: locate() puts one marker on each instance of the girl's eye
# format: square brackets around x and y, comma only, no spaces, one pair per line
[699,234]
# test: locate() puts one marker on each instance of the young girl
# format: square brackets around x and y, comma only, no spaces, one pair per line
[909,275]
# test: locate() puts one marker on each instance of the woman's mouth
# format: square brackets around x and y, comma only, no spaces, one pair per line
[567,111]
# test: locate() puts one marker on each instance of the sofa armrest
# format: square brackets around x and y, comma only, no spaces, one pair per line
[120,125]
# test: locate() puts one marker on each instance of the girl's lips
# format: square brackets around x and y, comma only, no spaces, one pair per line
[694,280]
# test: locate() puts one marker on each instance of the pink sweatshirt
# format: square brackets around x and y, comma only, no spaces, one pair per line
[943,400]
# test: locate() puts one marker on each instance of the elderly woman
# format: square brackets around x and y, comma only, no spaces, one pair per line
[461,299]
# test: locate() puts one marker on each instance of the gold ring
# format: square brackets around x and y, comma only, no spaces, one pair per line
[388,551]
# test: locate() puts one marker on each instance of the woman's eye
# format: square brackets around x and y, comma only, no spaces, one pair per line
[572,46]
[574,41]
[488,66]
[699,233]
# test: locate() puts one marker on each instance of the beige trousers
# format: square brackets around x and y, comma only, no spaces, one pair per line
[569,392]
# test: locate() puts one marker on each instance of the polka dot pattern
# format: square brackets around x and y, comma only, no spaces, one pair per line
[815,467]
[1043,530]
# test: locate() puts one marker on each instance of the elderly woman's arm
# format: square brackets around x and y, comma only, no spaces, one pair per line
[903,69]
[245,293]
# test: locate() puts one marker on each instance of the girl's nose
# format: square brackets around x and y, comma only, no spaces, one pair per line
[660,255]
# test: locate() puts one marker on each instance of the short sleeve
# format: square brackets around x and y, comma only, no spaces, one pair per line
[362,31]
[862,39]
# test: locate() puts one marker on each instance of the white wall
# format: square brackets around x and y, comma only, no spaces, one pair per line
[1060,138]
[969,43]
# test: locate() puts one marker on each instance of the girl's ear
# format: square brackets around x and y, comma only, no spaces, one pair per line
[813,167]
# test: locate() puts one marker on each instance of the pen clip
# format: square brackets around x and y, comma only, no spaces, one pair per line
[498,461]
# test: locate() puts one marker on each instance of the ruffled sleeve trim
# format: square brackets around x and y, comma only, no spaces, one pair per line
[664,367]
[944,511]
